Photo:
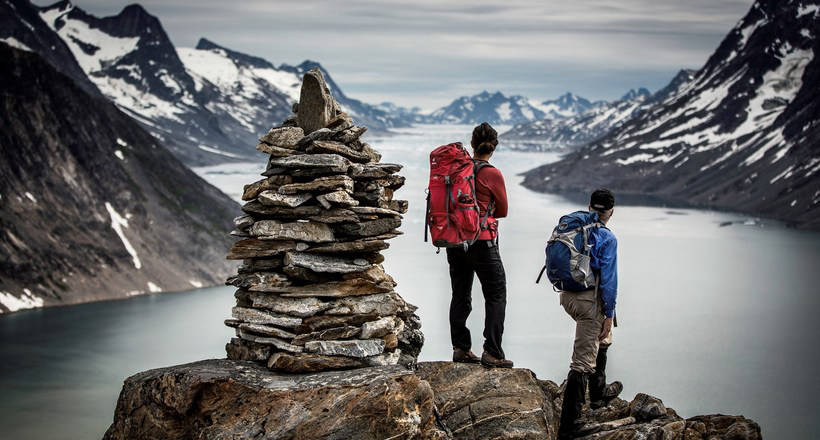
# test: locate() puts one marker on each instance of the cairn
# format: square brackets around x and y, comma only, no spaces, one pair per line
[312,294]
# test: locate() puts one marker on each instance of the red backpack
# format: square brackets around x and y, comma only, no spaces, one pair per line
[452,205]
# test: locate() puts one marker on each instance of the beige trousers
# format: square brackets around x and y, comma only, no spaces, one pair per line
[587,311]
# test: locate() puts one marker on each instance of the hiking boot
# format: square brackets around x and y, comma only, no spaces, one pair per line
[465,356]
[573,401]
[611,391]
[491,361]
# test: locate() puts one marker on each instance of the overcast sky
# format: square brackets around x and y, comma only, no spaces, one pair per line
[427,52]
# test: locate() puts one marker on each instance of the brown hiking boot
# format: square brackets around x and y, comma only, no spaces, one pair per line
[491,361]
[465,356]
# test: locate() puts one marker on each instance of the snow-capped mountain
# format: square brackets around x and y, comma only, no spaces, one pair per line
[207,104]
[495,108]
[743,134]
[598,118]
[565,106]
[21,27]
[92,206]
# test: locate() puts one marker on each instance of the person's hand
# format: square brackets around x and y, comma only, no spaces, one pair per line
[605,329]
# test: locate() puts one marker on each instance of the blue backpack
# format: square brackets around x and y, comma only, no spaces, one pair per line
[568,253]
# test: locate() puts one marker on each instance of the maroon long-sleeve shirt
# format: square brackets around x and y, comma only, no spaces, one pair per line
[490,186]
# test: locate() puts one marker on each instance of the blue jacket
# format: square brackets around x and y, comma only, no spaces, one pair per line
[604,260]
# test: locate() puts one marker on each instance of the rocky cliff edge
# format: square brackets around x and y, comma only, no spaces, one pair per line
[219,398]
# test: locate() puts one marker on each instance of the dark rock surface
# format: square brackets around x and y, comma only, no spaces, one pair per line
[217,399]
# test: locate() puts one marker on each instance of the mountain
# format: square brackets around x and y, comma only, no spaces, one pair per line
[743,134]
[575,121]
[207,104]
[22,27]
[565,106]
[495,108]
[92,206]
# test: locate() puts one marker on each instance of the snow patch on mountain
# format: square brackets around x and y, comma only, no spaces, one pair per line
[117,223]
[13,42]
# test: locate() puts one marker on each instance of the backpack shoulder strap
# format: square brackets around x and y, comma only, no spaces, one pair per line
[480,165]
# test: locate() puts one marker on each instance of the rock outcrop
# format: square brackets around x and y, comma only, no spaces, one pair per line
[313,295]
[439,400]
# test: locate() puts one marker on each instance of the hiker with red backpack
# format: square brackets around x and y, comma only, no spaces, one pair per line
[581,264]
[466,197]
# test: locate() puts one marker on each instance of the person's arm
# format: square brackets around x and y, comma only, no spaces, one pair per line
[608,283]
[494,181]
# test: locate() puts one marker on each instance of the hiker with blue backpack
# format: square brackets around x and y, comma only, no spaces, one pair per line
[465,198]
[581,264]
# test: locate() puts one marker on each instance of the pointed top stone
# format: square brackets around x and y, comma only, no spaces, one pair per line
[316,105]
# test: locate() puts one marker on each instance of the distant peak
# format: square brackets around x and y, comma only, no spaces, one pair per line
[62,5]
[135,10]
[206,44]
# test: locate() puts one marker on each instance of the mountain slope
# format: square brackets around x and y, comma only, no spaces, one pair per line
[21,27]
[92,207]
[743,134]
[594,120]
[495,108]
[565,106]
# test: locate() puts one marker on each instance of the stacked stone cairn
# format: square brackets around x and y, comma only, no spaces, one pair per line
[312,293]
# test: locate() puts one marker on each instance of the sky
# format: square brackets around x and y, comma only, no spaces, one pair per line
[426,52]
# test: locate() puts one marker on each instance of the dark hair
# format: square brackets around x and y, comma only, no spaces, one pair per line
[485,139]
[602,200]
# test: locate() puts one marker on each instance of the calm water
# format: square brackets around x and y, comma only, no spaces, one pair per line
[712,319]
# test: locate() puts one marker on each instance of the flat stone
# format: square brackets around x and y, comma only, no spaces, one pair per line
[316,106]
[323,263]
[320,322]
[374,170]
[386,358]
[260,265]
[252,190]
[375,274]
[251,248]
[240,350]
[256,316]
[339,289]
[335,215]
[366,229]
[398,205]
[346,332]
[274,151]
[243,221]
[355,348]
[393,182]
[373,155]
[381,327]
[318,135]
[282,213]
[303,231]
[332,162]
[298,307]
[300,273]
[276,198]
[337,198]
[266,330]
[343,247]
[320,184]
[339,148]
[283,137]
[372,210]
[350,134]
[310,363]
[383,304]
[259,281]
[277,343]
[341,121]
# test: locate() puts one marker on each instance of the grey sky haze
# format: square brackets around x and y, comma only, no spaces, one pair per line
[426,53]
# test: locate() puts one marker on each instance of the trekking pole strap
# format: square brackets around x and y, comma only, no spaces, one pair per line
[540,274]
[427,215]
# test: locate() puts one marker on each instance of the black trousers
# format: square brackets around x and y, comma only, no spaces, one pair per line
[482,259]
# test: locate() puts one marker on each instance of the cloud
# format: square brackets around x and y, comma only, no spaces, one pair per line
[426,52]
